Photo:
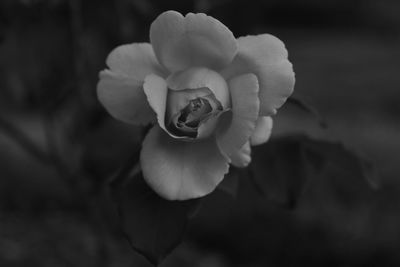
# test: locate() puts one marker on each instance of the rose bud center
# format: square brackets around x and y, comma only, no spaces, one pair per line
[197,112]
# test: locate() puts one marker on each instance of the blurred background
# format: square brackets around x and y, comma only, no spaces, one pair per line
[57,144]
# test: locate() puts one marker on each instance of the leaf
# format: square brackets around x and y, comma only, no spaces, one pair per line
[340,157]
[280,170]
[153,226]
[341,190]
[284,166]
[309,109]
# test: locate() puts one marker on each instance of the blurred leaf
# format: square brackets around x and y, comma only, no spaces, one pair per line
[308,109]
[24,138]
[284,166]
[230,184]
[111,146]
[153,226]
[349,162]
[341,190]
[280,170]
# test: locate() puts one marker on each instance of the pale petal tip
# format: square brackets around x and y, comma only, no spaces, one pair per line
[262,132]
[197,39]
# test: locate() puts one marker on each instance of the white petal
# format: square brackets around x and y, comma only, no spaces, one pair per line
[197,77]
[262,132]
[135,60]
[123,98]
[156,91]
[194,40]
[242,157]
[238,125]
[180,170]
[266,57]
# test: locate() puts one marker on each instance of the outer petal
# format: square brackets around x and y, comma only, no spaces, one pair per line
[123,98]
[134,60]
[236,130]
[156,91]
[179,170]
[265,56]
[262,132]
[242,157]
[195,40]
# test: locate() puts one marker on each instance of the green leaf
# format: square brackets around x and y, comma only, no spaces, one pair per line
[284,167]
[153,226]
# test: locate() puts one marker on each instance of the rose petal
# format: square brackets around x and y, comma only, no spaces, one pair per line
[242,157]
[158,97]
[135,60]
[123,98]
[179,170]
[195,78]
[262,132]
[265,56]
[156,91]
[207,128]
[178,100]
[238,125]
[194,40]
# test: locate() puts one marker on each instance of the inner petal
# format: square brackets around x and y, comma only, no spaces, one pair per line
[197,78]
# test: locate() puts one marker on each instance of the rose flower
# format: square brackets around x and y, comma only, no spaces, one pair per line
[209,95]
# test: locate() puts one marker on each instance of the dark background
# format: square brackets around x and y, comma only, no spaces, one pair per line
[346,57]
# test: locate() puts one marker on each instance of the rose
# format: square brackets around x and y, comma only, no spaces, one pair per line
[209,95]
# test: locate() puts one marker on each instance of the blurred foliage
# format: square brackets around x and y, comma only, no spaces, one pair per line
[282,170]
[295,162]
[60,148]
[154,226]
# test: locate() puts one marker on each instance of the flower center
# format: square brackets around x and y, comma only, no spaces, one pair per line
[197,112]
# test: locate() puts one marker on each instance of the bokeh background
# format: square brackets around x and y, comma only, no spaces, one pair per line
[346,55]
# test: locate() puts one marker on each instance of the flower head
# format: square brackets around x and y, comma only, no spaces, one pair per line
[210,96]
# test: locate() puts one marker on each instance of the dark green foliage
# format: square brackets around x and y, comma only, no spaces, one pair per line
[152,225]
[285,166]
